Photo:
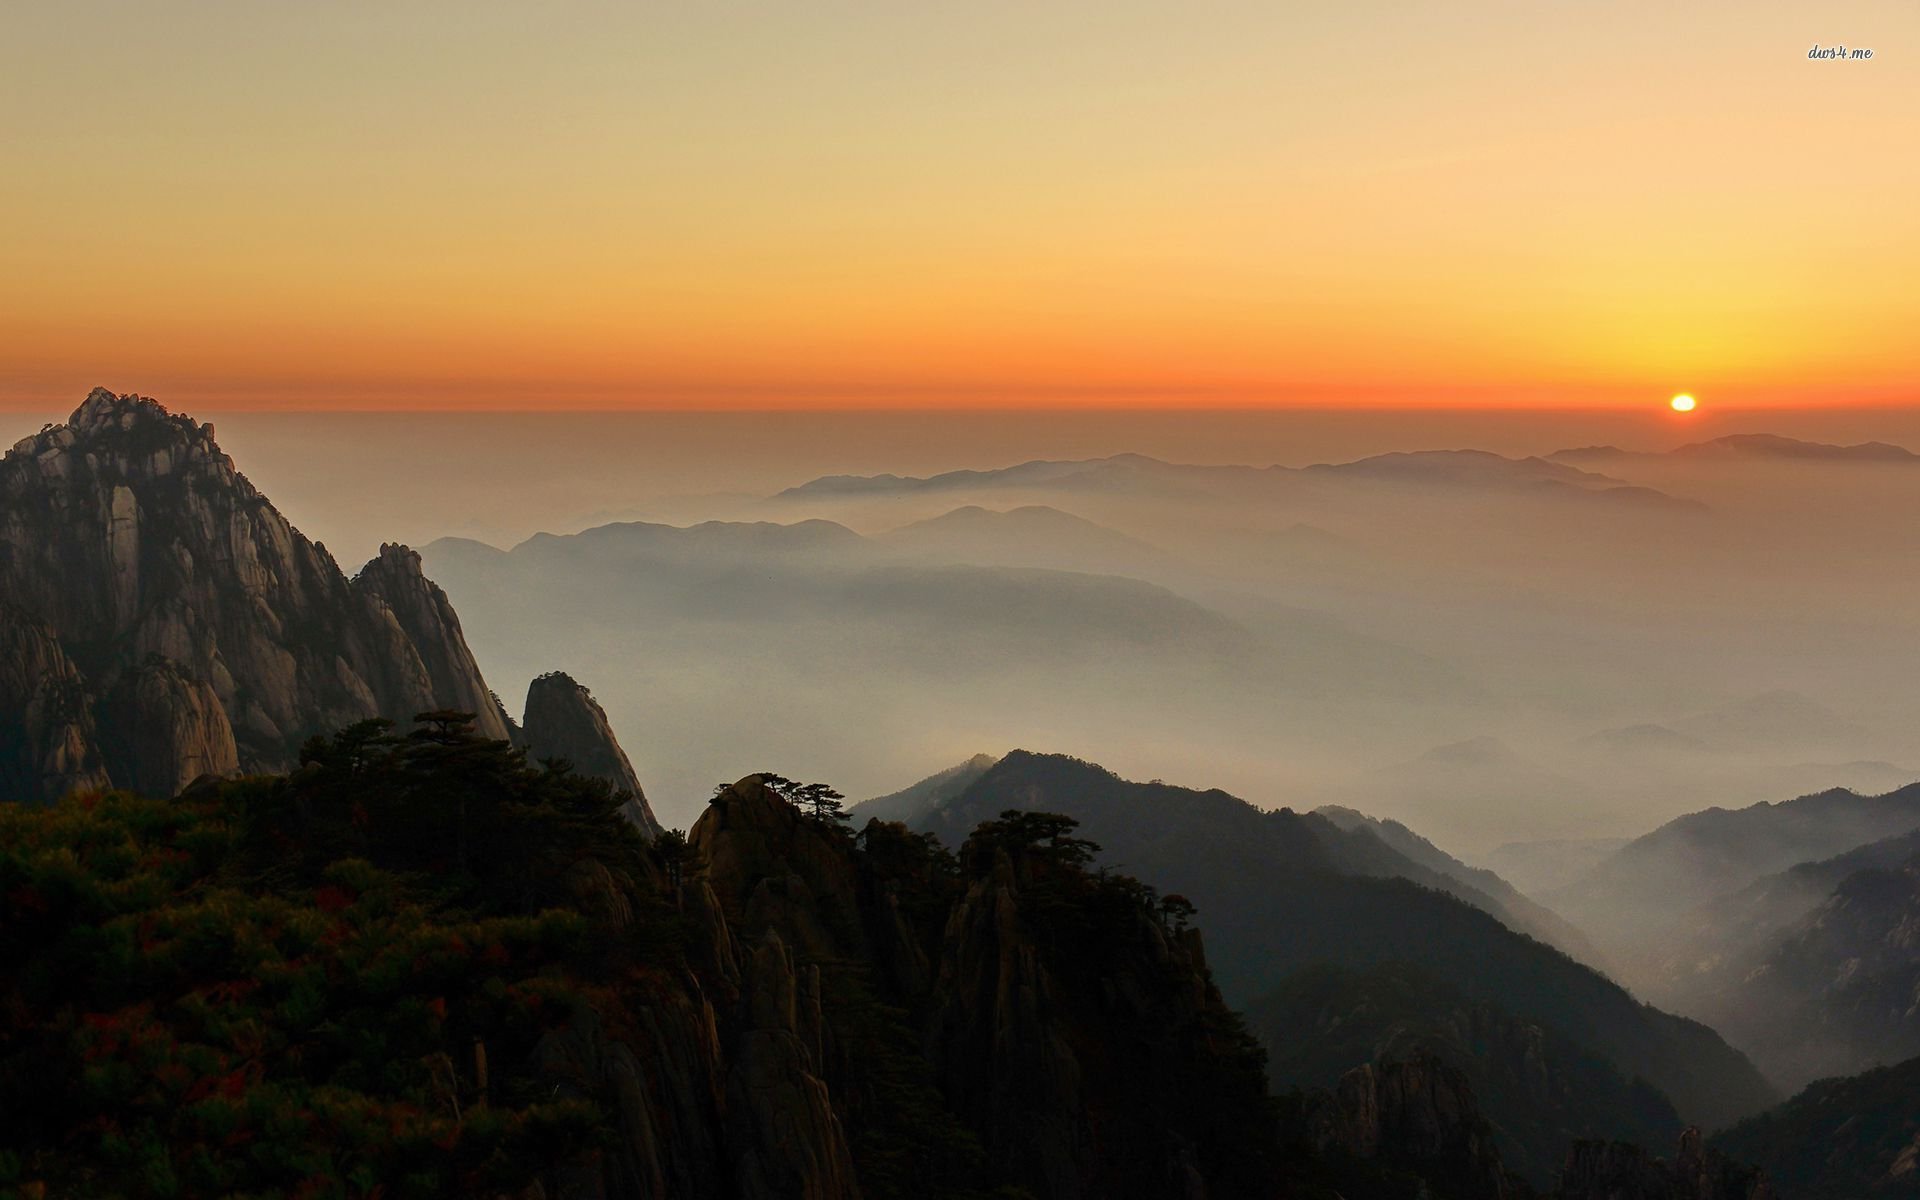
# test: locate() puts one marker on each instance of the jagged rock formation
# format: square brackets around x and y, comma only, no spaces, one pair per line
[784,1136]
[49,746]
[1617,1171]
[162,621]
[563,721]
[1417,1115]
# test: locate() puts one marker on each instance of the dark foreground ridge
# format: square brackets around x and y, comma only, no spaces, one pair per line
[418,966]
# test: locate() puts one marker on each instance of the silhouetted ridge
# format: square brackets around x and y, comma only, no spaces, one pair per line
[1281,891]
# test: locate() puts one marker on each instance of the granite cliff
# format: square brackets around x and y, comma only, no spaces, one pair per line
[562,720]
[161,620]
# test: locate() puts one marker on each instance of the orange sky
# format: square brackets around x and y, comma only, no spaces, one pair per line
[877,204]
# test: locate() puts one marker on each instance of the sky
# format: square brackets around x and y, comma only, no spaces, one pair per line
[879,205]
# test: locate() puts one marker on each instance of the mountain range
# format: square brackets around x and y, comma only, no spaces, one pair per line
[1281,892]
[1754,446]
[290,902]
[1140,474]
[863,649]
[1699,857]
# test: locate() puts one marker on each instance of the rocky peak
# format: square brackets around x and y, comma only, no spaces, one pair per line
[164,620]
[772,866]
[447,676]
[562,720]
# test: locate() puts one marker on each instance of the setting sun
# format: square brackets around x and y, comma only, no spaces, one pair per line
[1681,403]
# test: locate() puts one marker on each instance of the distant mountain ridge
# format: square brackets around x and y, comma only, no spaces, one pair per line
[1031,535]
[1752,446]
[1695,858]
[1138,472]
[890,648]
[1728,935]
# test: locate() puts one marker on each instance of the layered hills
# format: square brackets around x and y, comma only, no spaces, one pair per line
[1640,888]
[1140,474]
[295,907]
[1756,446]
[865,652]
[1833,991]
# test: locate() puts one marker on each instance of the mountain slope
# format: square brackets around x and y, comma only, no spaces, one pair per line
[1834,992]
[1632,895]
[911,804]
[1726,937]
[1478,886]
[1840,1139]
[1541,866]
[1277,893]
[1539,1088]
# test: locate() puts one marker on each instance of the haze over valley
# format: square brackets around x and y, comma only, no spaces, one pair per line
[1494,648]
[851,601]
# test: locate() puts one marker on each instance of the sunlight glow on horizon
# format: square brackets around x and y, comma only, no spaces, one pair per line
[860,206]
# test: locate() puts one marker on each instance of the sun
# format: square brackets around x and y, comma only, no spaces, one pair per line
[1681,403]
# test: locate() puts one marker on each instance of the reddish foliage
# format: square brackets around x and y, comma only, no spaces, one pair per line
[232,990]
[329,898]
[27,899]
[311,1186]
